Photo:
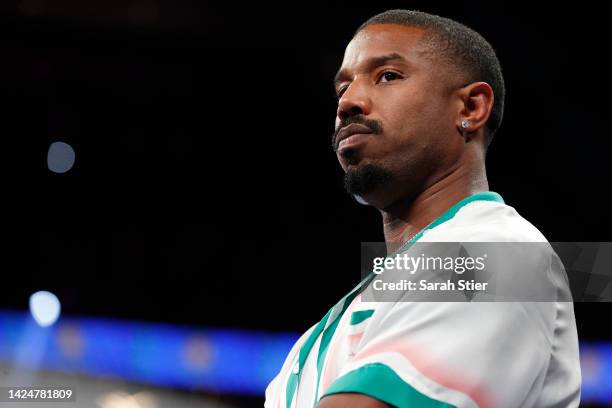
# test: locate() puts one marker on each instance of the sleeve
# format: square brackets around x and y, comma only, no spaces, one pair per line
[451,354]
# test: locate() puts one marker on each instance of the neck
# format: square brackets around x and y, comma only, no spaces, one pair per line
[408,216]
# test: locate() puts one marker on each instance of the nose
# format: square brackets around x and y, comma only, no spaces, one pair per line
[354,101]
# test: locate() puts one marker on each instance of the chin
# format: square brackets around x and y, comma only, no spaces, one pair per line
[366,177]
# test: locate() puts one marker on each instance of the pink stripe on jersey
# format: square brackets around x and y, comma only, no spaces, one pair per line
[430,369]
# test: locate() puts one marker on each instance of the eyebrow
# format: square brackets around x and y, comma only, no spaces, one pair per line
[370,64]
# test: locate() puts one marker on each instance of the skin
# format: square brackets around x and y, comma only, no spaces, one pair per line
[420,100]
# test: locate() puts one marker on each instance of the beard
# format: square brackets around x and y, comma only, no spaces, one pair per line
[365,180]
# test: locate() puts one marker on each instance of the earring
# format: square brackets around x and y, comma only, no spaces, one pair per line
[465,123]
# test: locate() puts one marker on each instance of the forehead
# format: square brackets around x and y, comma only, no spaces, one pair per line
[385,39]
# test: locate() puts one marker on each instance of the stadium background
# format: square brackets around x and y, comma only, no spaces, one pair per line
[202,225]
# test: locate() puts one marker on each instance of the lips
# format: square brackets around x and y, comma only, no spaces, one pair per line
[350,130]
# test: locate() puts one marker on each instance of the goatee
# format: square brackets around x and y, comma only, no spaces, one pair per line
[366,179]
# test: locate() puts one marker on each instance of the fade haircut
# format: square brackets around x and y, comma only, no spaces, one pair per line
[460,45]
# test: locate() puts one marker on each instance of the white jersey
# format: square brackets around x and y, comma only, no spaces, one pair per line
[441,354]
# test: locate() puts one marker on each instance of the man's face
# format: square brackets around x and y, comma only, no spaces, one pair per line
[399,103]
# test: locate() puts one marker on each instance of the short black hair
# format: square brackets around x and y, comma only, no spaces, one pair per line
[459,44]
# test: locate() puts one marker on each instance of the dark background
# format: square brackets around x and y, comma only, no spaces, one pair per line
[204,179]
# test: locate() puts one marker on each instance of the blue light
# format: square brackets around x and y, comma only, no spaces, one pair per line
[225,361]
[213,360]
[596,364]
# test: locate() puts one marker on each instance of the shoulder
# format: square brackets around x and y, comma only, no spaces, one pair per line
[486,221]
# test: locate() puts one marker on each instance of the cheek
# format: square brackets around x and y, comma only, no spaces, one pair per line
[422,118]
[413,128]
[404,110]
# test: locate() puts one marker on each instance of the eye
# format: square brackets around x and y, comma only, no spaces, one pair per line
[341,91]
[389,76]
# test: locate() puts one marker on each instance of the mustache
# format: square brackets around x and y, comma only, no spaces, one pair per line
[374,125]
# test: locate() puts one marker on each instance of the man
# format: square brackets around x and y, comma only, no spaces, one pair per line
[420,98]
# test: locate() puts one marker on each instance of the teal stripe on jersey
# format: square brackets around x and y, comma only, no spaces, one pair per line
[381,382]
[325,340]
[328,334]
[360,316]
[307,347]
[294,377]
[450,213]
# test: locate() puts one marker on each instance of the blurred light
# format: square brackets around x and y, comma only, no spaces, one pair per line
[45,308]
[198,353]
[60,157]
[120,399]
[70,340]
[181,357]
[596,364]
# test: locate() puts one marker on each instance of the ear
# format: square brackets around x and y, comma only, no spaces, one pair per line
[476,103]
